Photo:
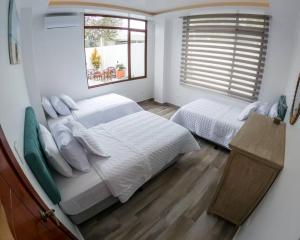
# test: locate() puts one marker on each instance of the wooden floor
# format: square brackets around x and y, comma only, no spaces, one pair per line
[172,205]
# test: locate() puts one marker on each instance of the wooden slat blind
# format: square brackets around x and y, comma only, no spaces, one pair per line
[225,53]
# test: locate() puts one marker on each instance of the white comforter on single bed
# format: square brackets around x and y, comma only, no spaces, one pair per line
[211,120]
[102,109]
[94,111]
[139,145]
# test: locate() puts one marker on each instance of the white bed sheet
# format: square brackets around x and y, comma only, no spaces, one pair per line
[140,145]
[211,120]
[101,109]
[80,192]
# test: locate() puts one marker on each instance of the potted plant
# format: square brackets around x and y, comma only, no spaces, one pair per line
[96,59]
[120,70]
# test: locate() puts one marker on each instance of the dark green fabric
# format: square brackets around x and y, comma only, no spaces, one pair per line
[282,108]
[35,158]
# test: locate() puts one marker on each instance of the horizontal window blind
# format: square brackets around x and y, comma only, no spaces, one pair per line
[225,53]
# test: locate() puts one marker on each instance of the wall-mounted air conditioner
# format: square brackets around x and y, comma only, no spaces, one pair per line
[62,20]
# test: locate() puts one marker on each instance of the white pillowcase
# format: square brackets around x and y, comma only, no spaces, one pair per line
[248,110]
[51,151]
[70,148]
[48,108]
[274,111]
[263,109]
[69,102]
[59,106]
[87,138]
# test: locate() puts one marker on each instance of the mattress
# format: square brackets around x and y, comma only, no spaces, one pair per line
[104,109]
[139,145]
[81,192]
[101,109]
[215,121]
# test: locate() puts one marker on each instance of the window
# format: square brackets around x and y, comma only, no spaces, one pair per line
[115,49]
[225,53]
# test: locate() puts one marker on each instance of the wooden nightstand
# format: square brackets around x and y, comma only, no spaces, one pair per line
[255,161]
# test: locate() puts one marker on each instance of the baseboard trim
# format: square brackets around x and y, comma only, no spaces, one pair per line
[158,103]
[146,100]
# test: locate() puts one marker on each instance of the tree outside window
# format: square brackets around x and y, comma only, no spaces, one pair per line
[115,49]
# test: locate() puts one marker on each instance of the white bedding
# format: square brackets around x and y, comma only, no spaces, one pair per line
[80,192]
[211,120]
[101,109]
[104,109]
[139,145]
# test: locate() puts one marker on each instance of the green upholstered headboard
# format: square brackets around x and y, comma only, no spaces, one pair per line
[35,158]
[282,107]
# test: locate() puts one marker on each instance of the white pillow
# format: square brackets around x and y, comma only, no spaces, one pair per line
[59,106]
[51,151]
[263,109]
[248,110]
[70,148]
[69,102]
[48,108]
[274,111]
[87,138]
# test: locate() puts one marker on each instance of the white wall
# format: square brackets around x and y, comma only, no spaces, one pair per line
[277,217]
[60,61]
[281,48]
[13,88]
[294,73]
[33,89]
[160,60]
[13,101]
[277,65]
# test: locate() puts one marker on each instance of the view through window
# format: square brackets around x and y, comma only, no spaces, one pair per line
[115,49]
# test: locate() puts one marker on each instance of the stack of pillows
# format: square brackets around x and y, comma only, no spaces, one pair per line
[277,110]
[55,106]
[69,145]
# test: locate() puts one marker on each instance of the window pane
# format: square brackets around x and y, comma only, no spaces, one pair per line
[106,21]
[136,24]
[137,54]
[106,55]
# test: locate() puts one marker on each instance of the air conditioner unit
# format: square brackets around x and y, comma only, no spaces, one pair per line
[62,20]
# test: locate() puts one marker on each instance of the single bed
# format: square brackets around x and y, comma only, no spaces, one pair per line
[140,146]
[212,120]
[101,109]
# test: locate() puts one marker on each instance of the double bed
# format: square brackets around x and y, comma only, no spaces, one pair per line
[140,145]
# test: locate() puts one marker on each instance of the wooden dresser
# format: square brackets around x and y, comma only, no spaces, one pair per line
[255,161]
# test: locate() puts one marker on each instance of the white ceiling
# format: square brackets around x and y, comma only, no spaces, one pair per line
[36,5]
[158,5]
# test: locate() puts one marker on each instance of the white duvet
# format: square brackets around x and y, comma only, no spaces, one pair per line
[101,109]
[211,120]
[139,145]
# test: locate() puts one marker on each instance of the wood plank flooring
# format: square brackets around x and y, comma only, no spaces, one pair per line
[172,205]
